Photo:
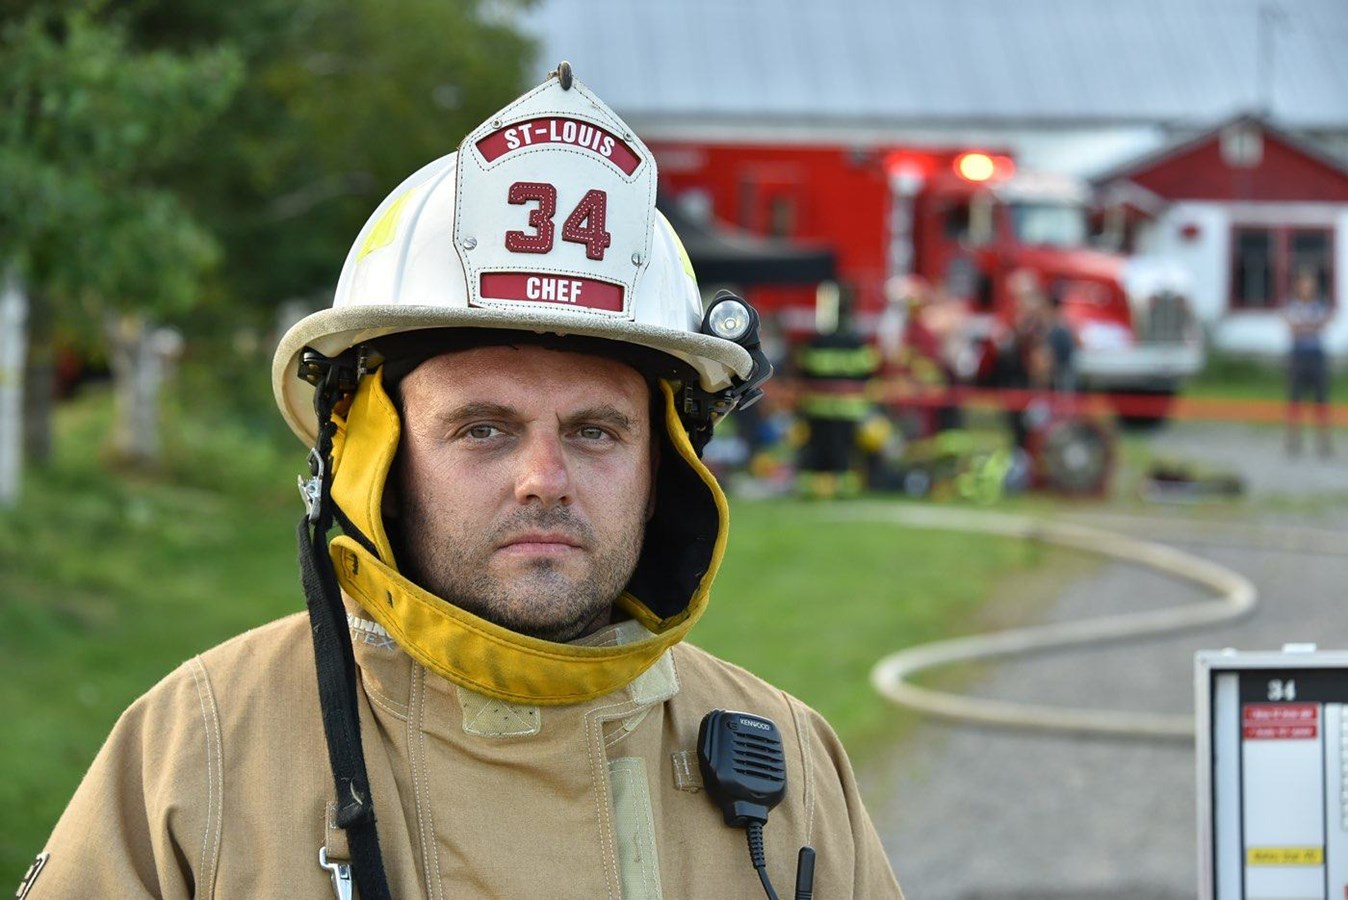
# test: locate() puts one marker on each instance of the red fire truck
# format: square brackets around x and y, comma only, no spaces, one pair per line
[964,220]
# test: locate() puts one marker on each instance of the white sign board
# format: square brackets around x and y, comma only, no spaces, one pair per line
[1272,755]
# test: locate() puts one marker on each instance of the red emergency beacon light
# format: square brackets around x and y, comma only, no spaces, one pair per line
[977,167]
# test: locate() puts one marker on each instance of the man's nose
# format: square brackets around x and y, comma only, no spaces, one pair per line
[544,474]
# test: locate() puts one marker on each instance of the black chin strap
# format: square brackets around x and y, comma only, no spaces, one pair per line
[334,659]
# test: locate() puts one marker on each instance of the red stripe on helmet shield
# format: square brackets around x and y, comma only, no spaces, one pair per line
[559,130]
[564,290]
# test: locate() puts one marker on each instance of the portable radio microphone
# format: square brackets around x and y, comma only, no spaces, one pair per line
[744,772]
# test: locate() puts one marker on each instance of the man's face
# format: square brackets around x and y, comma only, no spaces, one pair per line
[524,484]
[1307,286]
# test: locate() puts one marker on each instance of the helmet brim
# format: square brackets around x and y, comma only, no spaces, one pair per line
[333,331]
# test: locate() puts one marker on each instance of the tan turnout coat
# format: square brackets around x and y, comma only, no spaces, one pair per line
[216,784]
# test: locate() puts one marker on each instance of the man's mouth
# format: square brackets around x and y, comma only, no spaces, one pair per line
[536,543]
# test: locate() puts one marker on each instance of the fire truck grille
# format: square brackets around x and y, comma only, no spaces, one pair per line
[1168,319]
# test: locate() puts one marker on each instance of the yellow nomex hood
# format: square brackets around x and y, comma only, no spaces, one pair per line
[684,541]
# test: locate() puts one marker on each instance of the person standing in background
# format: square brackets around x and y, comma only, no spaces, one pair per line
[1062,345]
[1307,313]
[1023,361]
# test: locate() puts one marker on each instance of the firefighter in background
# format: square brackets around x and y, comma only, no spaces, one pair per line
[1024,358]
[919,337]
[1062,345]
[1054,447]
[835,367]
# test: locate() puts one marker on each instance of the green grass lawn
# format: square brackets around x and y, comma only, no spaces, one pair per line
[110,579]
[1225,377]
[811,604]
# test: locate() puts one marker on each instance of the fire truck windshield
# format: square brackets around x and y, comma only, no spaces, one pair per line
[1051,224]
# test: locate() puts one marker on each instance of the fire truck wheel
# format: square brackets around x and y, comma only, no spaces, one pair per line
[1076,458]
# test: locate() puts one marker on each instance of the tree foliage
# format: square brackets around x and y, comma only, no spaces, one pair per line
[342,100]
[146,140]
[161,156]
[91,125]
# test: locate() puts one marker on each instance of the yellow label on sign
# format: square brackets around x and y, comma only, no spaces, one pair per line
[1285,856]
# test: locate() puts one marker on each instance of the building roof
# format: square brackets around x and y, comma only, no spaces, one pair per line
[1277,167]
[981,62]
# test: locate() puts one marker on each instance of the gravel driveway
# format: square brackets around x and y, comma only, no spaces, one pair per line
[975,814]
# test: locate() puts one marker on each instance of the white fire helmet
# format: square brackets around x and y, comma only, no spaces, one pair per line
[543,221]
[542,224]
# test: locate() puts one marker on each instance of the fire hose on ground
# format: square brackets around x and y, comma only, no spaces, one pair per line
[892,676]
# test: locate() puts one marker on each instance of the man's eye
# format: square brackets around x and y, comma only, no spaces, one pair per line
[480,432]
[592,432]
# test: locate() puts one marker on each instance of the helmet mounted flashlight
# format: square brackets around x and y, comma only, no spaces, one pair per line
[728,318]
[731,318]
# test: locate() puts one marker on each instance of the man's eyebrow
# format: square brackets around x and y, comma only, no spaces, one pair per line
[603,414]
[479,410]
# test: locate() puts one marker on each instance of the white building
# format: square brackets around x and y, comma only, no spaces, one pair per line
[1243,207]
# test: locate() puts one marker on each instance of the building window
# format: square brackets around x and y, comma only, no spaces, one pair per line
[1252,269]
[1311,250]
[1265,260]
[1242,145]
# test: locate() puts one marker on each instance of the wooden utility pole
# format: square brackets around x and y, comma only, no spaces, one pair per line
[13,322]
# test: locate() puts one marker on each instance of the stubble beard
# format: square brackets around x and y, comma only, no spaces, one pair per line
[543,601]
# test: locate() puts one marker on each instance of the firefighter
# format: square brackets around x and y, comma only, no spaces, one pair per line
[919,354]
[505,406]
[836,368]
[1023,362]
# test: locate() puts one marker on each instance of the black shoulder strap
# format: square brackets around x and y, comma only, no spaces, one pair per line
[336,663]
